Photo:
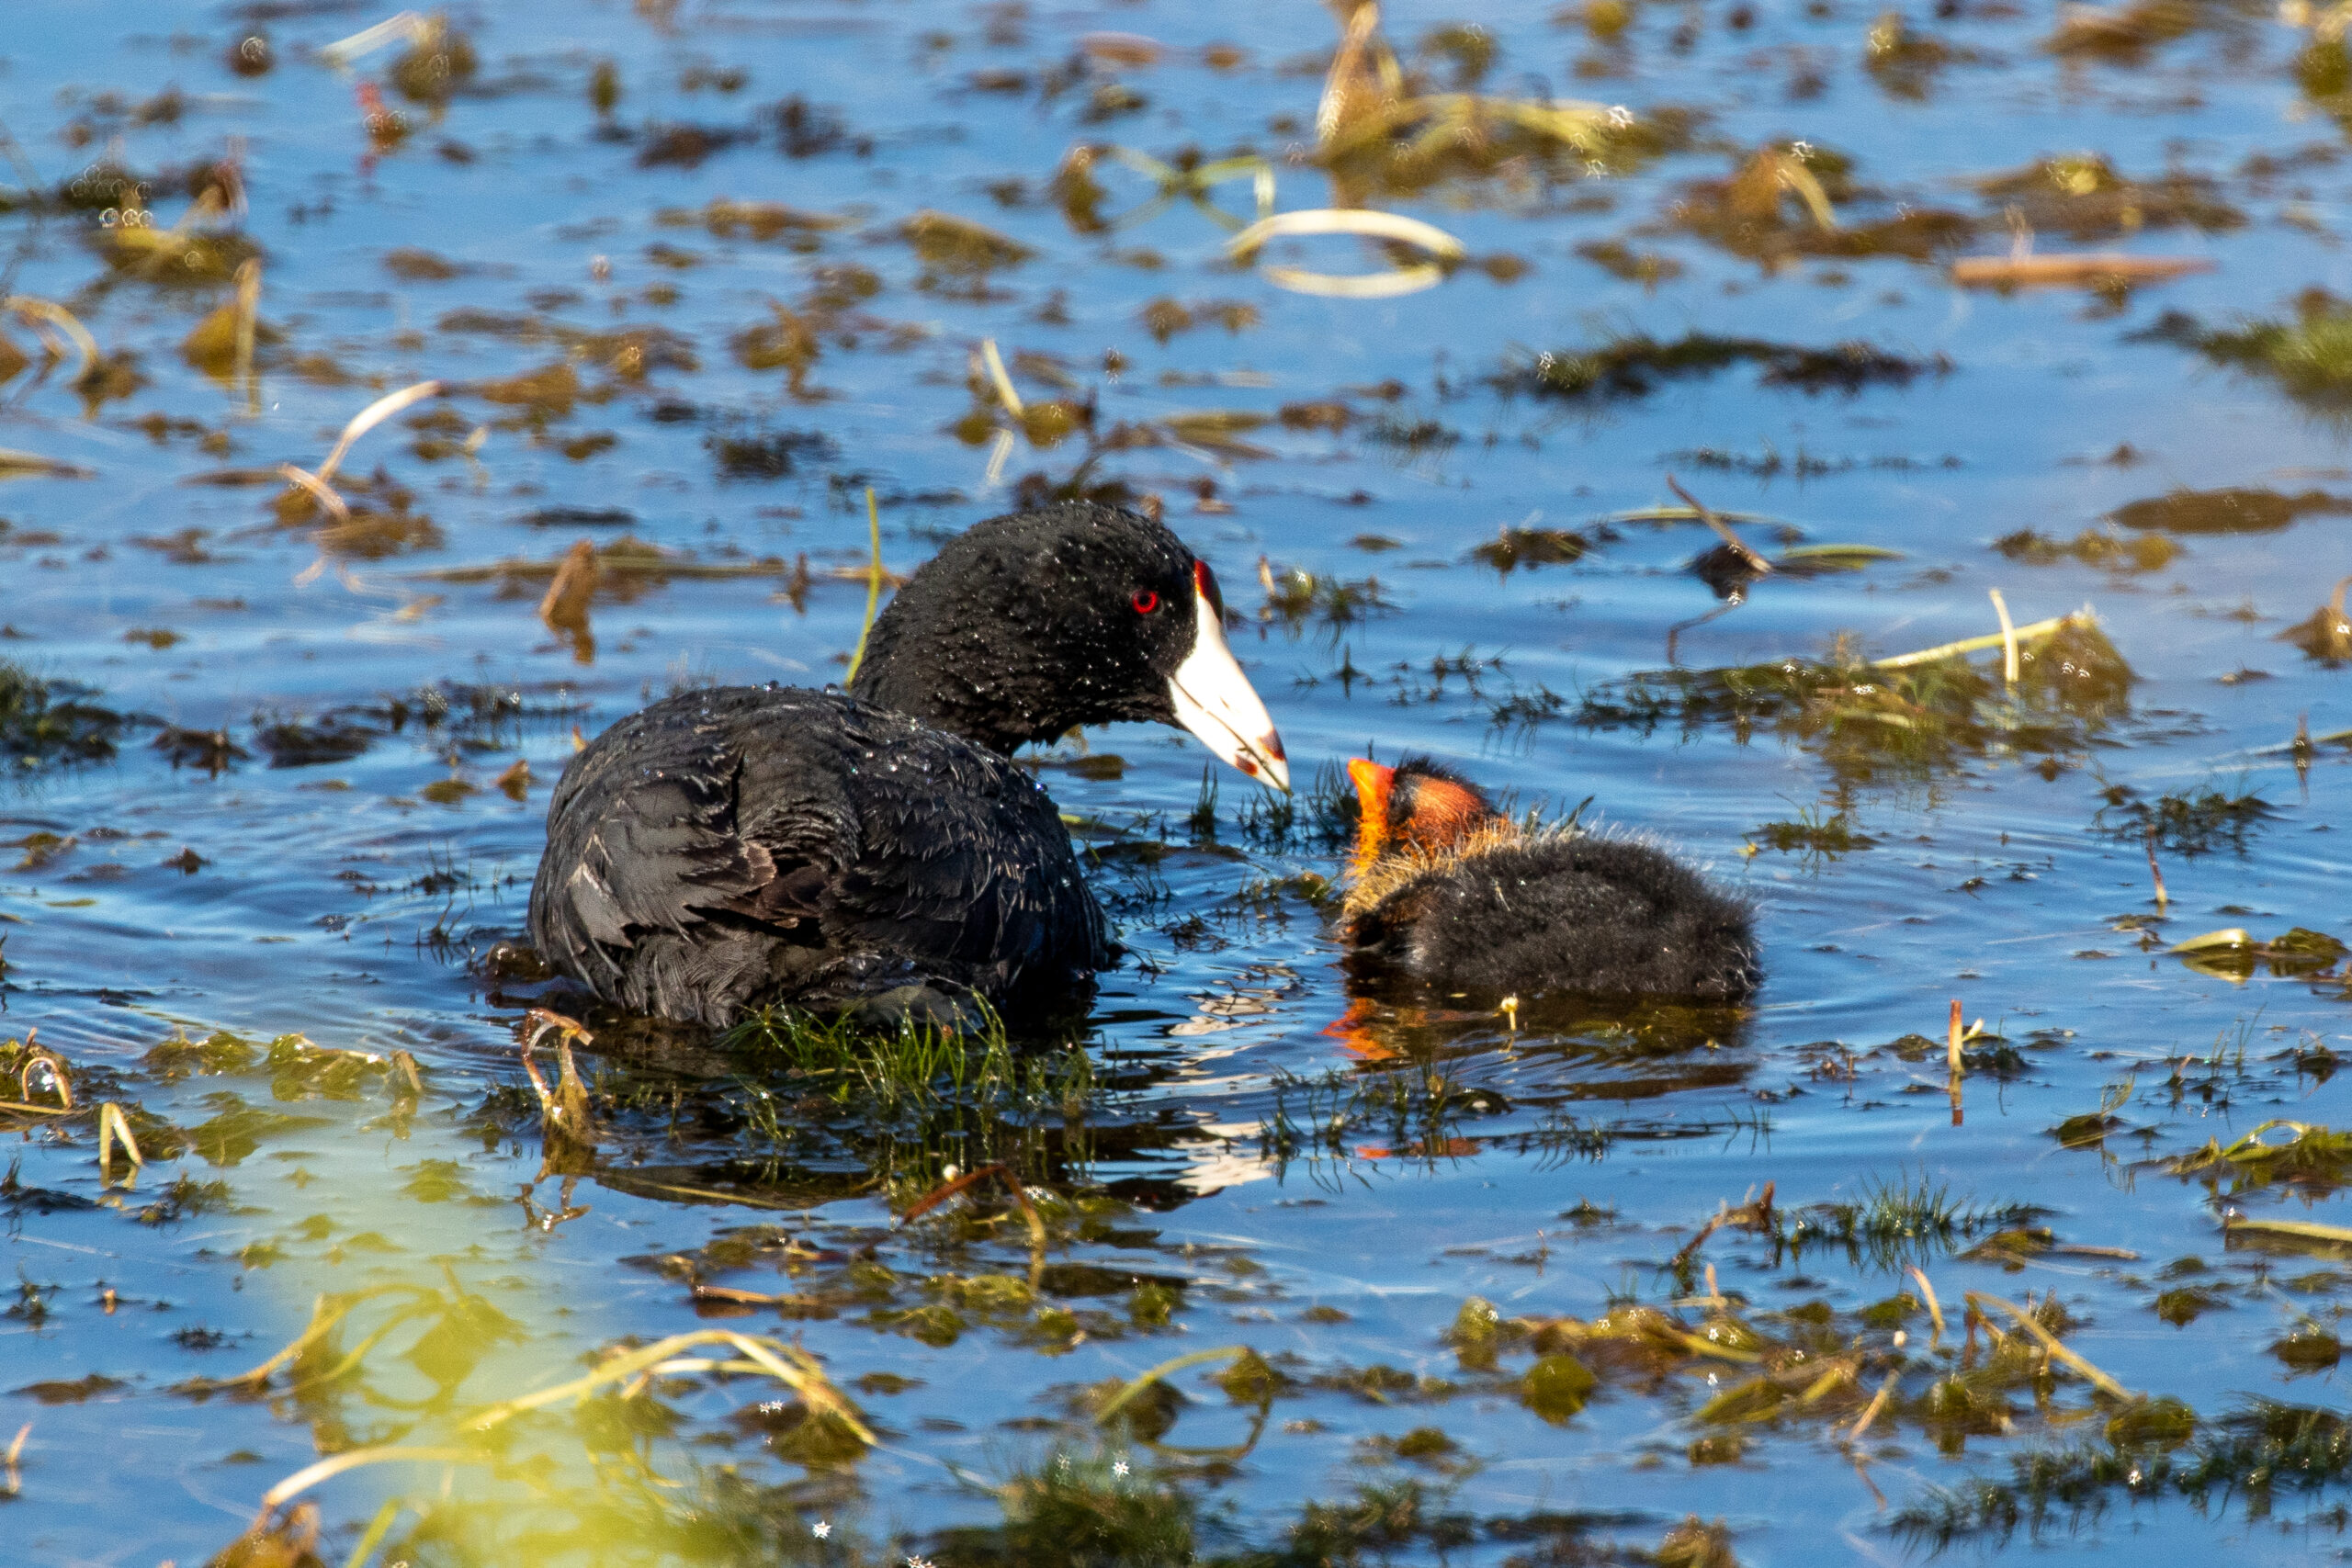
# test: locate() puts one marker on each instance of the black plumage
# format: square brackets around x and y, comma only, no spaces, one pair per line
[1022,627]
[1455,894]
[724,849]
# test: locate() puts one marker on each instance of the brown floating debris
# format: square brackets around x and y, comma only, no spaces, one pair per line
[412,1082]
[2309,1234]
[2077,270]
[946,1189]
[1738,546]
[1121,48]
[1756,1214]
[627,559]
[751,1298]
[2327,633]
[565,607]
[14,464]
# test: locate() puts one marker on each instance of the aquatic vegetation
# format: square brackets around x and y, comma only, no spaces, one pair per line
[2225,512]
[47,722]
[1511,548]
[959,255]
[1783,205]
[2253,1454]
[1814,833]
[2092,547]
[1634,366]
[1900,1221]
[1907,718]
[2310,355]
[2326,635]
[2083,196]
[2195,822]
[2309,1156]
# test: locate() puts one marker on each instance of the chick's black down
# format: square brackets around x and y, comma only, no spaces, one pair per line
[722,848]
[1605,916]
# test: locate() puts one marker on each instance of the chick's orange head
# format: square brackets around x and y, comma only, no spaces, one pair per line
[1438,811]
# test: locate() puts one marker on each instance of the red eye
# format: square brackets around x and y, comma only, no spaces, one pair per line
[1146,601]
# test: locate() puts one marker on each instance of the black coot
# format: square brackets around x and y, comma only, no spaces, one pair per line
[1456,894]
[723,849]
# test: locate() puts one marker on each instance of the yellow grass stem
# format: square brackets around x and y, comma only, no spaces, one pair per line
[405,26]
[248,325]
[2049,1341]
[2033,633]
[330,1308]
[36,310]
[112,1124]
[873,533]
[1389,282]
[327,1468]
[2301,1230]
[1701,1345]
[2009,639]
[377,1527]
[318,489]
[1004,387]
[1142,1380]
[60,1079]
[1878,1403]
[2079,270]
[1935,1307]
[806,1379]
[371,416]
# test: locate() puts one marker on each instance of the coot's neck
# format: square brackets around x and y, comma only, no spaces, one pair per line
[967,679]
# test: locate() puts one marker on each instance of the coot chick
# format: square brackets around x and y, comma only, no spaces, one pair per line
[729,849]
[1453,892]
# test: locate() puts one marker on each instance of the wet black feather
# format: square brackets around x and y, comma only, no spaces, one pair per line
[724,849]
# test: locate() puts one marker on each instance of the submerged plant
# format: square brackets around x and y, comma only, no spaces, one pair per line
[1907,718]
[2196,823]
[43,722]
[2307,355]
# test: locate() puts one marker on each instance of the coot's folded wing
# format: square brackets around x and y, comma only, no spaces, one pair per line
[958,855]
[745,819]
[644,835]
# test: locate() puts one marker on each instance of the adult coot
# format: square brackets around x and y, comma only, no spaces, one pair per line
[723,849]
[1455,893]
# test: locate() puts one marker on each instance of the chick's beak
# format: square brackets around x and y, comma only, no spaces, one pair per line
[1372,783]
[1215,700]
